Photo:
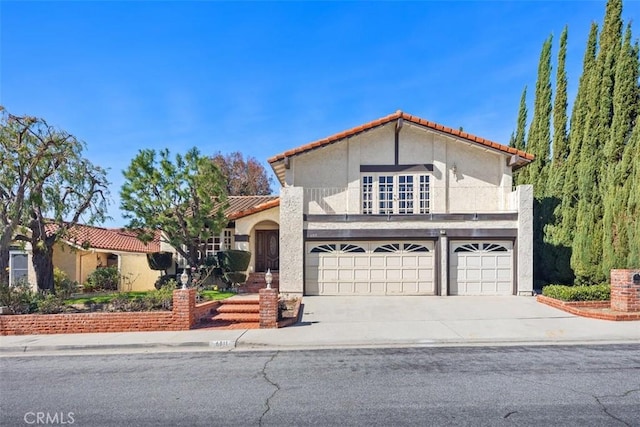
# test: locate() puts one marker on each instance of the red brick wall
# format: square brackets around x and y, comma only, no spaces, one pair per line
[268,308]
[182,318]
[625,293]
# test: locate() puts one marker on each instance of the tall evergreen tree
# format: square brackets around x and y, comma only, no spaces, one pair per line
[539,138]
[555,258]
[560,148]
[631,170]
[562,232]
[586,259]
[517,140]
[615,242]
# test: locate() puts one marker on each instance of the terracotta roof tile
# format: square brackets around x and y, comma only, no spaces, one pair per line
[240,206]
[408,117]
[109,239]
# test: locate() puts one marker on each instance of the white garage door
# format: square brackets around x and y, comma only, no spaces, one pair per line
[369,268]
[481,268]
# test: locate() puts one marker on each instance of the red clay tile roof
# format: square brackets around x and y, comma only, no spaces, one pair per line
[109,239]
[409,118]
[241,206]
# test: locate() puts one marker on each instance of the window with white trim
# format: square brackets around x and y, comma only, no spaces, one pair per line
[219,243]
[400,194]
[18,267]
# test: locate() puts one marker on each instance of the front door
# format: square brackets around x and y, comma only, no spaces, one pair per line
[267,250]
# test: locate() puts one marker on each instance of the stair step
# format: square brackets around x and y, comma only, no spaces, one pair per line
[237,317]
[239,308]
[240,301]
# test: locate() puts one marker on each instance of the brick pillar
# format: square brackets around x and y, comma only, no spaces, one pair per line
[268,308]
[625,290]
[184,308]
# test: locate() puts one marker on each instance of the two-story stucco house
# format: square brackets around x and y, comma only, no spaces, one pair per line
[403,206]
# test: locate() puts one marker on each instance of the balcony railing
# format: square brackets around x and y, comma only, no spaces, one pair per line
[482,199]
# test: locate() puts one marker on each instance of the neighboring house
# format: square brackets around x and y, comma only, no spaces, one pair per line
[400,206]
[87,248]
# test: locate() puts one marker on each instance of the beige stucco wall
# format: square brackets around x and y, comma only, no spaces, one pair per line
[466,177]
[135,272]
[291,240]
[265,220]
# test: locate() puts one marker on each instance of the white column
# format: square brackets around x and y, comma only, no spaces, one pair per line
[291,240]
[524,203]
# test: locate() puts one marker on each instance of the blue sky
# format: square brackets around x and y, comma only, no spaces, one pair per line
[264,77]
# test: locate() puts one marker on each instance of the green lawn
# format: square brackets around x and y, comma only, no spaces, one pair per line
[104,298]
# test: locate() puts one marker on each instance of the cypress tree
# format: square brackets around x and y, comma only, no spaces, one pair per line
[556,258]
[519,140]
[562,231]
[631,170]
[560,148]
[586,259]
[539,138]
[615,241]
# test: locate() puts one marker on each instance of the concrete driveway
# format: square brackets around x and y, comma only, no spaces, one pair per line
[406,320]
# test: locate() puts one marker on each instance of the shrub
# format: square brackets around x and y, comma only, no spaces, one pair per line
[103,279]
[600,292]
[20,298]
[51,304]
[63,285]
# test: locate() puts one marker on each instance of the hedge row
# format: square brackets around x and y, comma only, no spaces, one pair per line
[578,293]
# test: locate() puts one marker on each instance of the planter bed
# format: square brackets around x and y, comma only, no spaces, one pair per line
[592,309]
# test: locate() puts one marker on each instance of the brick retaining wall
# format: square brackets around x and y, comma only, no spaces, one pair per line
[183,316]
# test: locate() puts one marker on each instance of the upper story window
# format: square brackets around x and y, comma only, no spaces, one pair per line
[400,194]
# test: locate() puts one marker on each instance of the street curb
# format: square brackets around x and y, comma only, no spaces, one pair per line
[219,344]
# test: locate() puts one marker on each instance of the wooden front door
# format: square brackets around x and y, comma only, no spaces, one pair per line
[267,250]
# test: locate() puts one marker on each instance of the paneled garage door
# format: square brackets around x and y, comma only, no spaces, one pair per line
[369,268]
[481,268]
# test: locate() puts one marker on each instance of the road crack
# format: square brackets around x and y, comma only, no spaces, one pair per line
[276,386]
[606,410]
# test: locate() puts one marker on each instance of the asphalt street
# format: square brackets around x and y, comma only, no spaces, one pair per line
[515,385]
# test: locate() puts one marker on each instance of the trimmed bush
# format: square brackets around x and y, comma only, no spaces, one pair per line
[103,279]
[578,293]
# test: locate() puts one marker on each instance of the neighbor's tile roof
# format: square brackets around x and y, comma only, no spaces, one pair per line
[409,118]
[111,239]
[241,206]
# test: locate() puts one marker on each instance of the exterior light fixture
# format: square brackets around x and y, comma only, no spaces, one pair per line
[268,277]
[184,278]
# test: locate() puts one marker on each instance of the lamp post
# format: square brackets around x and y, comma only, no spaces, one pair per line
[268,277]
[184,278]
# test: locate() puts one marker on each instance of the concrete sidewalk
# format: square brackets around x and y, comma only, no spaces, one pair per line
[333,322]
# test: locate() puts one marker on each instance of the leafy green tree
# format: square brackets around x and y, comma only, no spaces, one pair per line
[243,177]
[46,187]
[184,198]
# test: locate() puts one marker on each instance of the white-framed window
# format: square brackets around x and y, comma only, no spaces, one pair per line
[219,243]
[400,194]
[367,194]
[18,267]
